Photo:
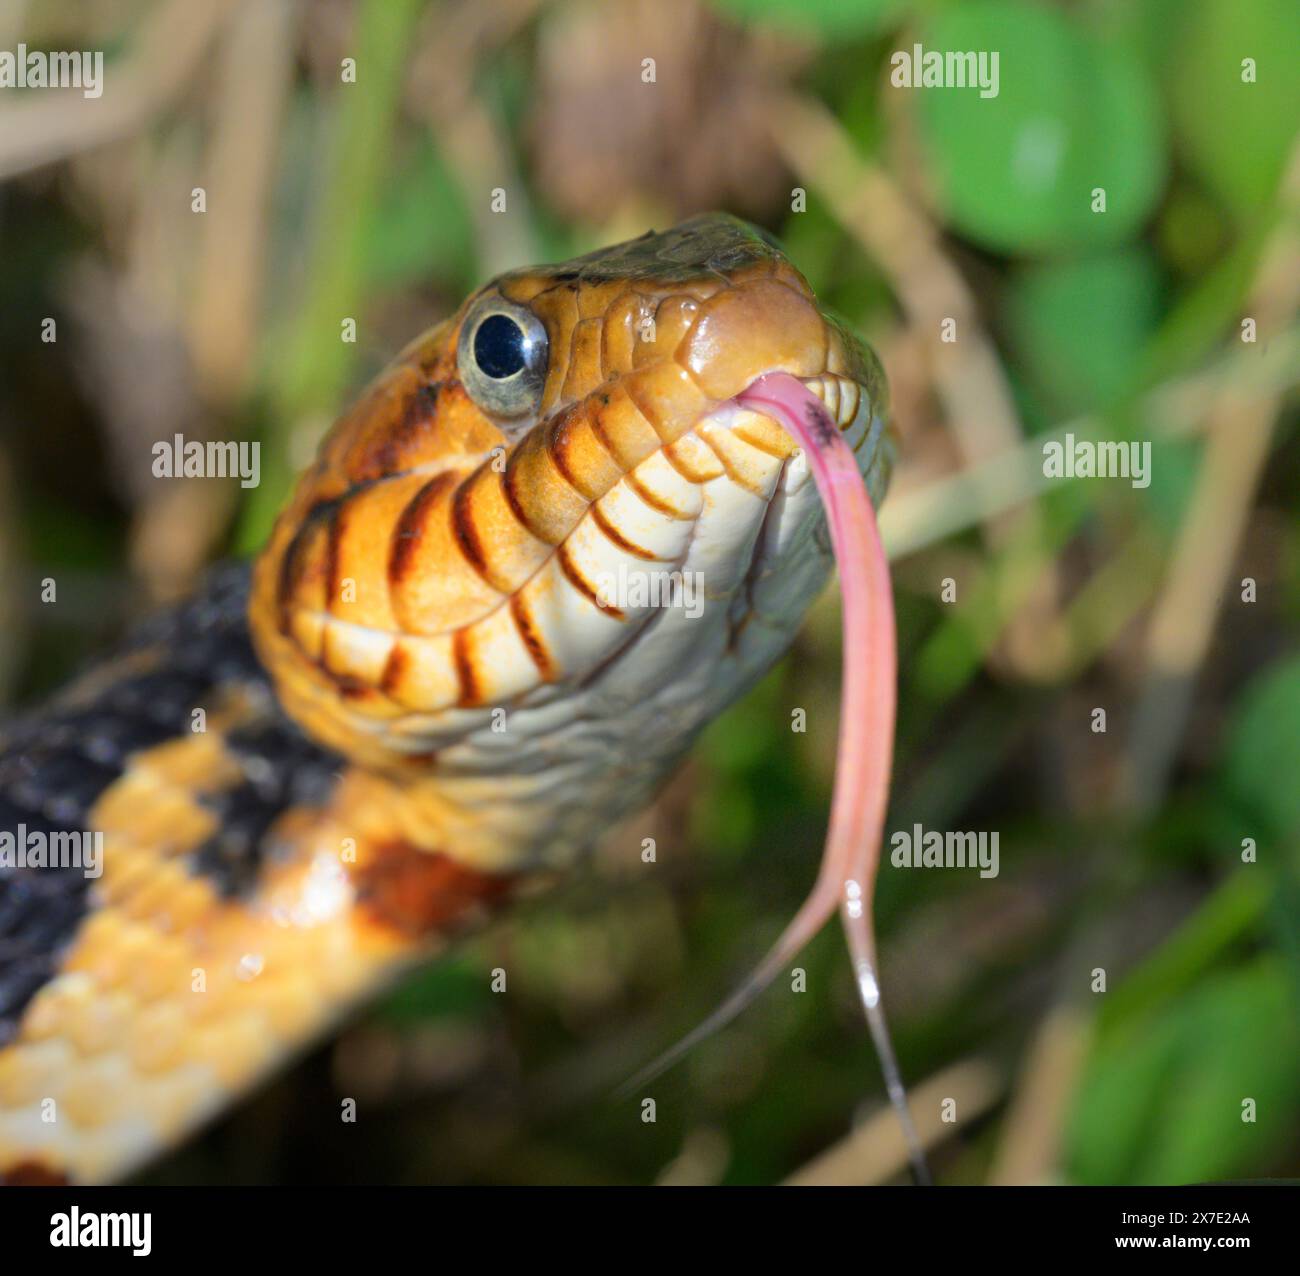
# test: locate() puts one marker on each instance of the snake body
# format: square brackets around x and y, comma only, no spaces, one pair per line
[458,660]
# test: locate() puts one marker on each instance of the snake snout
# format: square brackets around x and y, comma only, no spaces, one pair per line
[764,325]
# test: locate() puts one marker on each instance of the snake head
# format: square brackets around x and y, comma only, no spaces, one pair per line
[547,545]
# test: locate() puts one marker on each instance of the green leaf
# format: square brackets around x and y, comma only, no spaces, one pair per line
[422,228]
[1175,465]
[1016,172]
[1236,135]
[314,367]
[1197,319]
[1263,757]
[1083,324]
[1162,1101]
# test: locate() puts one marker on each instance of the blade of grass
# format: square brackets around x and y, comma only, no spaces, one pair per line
[317,365]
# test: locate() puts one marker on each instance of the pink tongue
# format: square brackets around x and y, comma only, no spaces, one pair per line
[866,734]
[867,697]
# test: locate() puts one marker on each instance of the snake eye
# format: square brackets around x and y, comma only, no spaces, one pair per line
[501,357]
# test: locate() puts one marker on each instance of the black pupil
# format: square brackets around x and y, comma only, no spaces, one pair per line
[499,347]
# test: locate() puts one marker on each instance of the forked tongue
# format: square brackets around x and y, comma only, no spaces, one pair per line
[866,739]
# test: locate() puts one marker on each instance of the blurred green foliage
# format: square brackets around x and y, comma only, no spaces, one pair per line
[1163,1101]
[1073,112]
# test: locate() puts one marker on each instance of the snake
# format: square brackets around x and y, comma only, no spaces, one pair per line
[546,546]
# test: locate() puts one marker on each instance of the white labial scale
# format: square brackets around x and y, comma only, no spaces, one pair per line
[431,679]
[356,649]
[645,525]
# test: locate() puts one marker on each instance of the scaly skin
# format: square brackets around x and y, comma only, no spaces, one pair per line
[434,699]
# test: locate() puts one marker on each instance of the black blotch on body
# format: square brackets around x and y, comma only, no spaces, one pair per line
[40,910]
[282,769]
[55,765]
